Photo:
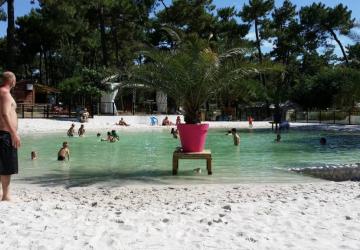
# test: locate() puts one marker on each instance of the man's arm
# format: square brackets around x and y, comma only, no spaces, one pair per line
[68,154]
[5,111]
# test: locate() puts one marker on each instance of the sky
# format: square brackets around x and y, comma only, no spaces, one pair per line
[22,7]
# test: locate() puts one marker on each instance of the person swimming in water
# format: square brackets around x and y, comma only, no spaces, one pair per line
[81,130]
[278,138]
[71,130]
[64,152]
[175,133]
[115,135]
[323,141]
[236,136]
[109,138]
[33,155]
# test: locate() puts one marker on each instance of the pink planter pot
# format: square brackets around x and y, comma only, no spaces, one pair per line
[193,136]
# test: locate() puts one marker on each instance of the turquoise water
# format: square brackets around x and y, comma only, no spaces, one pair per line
[146,157]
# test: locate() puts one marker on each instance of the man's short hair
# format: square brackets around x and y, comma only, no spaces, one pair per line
[8,76]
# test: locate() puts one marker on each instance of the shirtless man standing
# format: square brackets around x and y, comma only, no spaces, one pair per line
[9,138]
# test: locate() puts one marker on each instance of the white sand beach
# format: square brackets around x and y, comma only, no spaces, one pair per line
[277,216]
[319,215]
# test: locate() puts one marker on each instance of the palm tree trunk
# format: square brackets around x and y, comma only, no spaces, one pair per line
[11,49]
[340,45]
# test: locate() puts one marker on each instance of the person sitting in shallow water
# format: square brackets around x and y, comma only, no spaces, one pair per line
[167,122]
[71,130]
[109,138]
[122,122]
[64,152]
[115,135]
[175,133]
[33,155]
[81,131]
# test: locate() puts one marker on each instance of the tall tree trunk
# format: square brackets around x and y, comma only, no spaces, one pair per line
[40,67]
[165,8]
[340,45]
[258,45]
[11,49]
[116,42]
[46,68]
[103,38]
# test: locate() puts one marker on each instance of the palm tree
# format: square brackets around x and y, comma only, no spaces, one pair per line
[193,72]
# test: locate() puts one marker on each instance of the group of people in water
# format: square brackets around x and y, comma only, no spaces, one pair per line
[71,130]
[64,152]
[112,136]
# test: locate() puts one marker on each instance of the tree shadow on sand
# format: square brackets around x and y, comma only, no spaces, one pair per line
[83,179]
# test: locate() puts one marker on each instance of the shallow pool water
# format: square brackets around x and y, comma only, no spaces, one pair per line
[146,157]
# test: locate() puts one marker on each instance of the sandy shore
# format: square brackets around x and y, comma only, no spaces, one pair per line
[142,123]
[277,216]
[317,215]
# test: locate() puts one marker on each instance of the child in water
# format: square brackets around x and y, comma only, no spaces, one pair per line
[33,155]
[109,138]
[64,152]
[81,131]
[250,120]
[236,136]
[71,130]
[115,135]
[175,133]
[278,138]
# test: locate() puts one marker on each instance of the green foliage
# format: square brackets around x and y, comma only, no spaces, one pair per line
[88,84]
[193,72]
[321,21]
[256,10]
[72,44]
[189,16]
[339,87]
[3,15]
[354,55]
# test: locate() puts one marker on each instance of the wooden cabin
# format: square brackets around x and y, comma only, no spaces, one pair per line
[30,93]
